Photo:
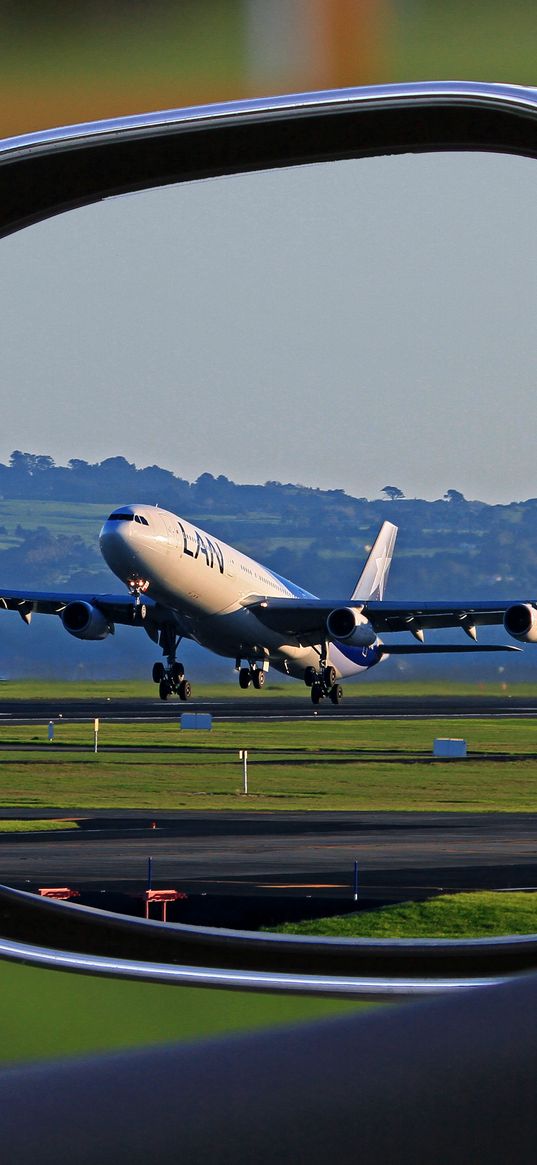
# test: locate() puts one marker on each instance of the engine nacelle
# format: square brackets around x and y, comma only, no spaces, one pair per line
[347,625]
[85,621]
[520,621]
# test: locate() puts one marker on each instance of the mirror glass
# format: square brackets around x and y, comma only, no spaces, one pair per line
[334,325]
[344,326]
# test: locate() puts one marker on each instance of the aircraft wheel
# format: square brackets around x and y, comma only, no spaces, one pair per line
[244,677]
[164,689]
[329,676]
[316,694]
[336,694]
[309,676]
[258,678]
[178,673]
[158,673]
[185,690]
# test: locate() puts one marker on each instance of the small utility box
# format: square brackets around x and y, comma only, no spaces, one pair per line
[197,720]
[445,746]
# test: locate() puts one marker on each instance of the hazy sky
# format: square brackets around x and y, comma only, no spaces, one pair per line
[350,325]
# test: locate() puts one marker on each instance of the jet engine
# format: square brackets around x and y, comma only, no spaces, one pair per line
[85,621]
[520,621]
[347,625]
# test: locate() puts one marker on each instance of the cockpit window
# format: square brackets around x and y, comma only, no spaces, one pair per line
[121,516]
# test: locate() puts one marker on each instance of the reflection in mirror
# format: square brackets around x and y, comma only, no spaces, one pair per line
[335,324]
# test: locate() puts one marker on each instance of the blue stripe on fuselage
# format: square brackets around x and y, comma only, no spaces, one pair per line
[298,592]
[360,656]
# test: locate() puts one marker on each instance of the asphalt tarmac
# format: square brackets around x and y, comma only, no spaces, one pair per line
[399,855]
[261,708]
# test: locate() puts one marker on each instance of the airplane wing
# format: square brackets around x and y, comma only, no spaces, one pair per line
[123,609]
[387,616]
[442,648]
[305,619]
[119,608]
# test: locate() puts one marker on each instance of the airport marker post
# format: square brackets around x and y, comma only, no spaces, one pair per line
[243,756]
[95,733]
[50,731]
[355,881]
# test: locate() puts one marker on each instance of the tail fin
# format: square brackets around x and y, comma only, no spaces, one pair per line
[374,576]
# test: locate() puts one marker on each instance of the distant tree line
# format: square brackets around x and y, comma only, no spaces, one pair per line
[450,548]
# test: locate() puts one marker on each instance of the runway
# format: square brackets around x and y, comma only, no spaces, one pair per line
[399,855]
[252,707]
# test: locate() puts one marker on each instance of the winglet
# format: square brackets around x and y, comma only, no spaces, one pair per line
[372,581]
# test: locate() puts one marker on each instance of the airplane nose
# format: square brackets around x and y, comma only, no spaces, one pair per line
[115,542]
[110,529]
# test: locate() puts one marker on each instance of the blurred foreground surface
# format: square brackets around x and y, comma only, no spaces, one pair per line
[64,63]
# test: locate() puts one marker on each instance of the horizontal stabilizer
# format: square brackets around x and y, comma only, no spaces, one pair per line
[437,648]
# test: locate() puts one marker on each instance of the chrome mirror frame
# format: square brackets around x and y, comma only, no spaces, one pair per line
[43,174]
[290,1106]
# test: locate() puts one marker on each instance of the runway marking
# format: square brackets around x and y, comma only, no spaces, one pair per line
[304,885]
[246,881]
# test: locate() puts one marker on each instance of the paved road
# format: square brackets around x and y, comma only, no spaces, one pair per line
[252,707]
[399,854]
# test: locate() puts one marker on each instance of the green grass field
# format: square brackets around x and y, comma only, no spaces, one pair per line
[56,1013]
[59,517]
[319,764]
[280,688]
[35,825]
[482,914]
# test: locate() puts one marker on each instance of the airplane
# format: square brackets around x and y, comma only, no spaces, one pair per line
[186,584]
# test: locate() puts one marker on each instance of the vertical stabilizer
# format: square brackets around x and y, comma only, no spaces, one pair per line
[373,579]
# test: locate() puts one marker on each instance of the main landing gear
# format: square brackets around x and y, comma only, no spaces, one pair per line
[323,683]
[171,679]
[250,675]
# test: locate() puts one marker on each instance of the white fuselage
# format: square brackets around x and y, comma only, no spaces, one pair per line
[206,584]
